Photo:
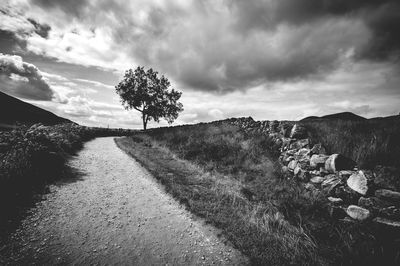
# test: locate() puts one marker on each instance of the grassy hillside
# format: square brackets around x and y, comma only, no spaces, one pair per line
[368,142]
[14,111]
[237,185]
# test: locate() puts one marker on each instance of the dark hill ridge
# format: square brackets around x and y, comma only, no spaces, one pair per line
[13,110]
[342,116]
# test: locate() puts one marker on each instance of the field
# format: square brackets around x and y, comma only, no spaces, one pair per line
[233,180]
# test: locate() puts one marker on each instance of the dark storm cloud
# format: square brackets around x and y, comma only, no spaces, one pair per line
[72,7]
[223,46]
[381,16]
[41,29]
[10,43]
[22,79]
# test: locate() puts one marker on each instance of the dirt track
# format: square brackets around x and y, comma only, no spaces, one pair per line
[115,214]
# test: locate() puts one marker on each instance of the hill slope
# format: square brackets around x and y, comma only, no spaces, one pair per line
[13,110]
[342,116]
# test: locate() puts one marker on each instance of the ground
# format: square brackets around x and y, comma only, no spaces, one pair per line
[114,213]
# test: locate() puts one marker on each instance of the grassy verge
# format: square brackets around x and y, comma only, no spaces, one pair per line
[218,178]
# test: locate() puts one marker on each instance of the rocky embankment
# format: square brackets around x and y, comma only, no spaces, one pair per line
[353,194]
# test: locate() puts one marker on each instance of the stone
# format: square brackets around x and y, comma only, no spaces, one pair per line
[337,162]
[387,223]
[303,155]
[347,194]
[346,173]
[335,200]
[358,213]
[318,149]
[315,172]
[291,152]
[286,143]
[389,195]
[301,174]
[292,165]
[387,177]
[331,180]
[358,183]
[287,158]
[318,160]
[317,179]
[298,132]
[310,187]
[298,144]
[330,183]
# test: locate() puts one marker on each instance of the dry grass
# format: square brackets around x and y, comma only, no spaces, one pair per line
[231,179]
[211,188]
[368,142]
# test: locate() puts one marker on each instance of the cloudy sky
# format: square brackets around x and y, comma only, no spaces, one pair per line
[268,59]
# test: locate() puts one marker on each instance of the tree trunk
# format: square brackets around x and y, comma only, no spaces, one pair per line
[144,122]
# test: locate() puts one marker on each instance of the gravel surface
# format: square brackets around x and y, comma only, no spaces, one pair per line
[115,214]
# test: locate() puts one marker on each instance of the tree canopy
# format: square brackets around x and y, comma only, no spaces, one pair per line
[148,93]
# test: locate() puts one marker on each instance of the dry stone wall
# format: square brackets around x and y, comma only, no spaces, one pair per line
[353,194]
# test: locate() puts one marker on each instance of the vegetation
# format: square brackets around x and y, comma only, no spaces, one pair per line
[368,142]
[148,93]
[232,179]
[32,157]
[217,171]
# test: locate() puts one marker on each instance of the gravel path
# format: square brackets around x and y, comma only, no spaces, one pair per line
[115,214]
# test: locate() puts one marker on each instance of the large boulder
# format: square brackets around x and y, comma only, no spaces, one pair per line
[318,160]
[358,182]
[292,165]
[337,162]
[386,194]
[358,213]
[298,132]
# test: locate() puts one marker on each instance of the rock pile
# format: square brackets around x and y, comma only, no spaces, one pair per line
[353,194]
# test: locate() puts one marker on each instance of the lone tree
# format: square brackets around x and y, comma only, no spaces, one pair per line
[148,93]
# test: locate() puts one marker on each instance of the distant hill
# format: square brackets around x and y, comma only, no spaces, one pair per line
[342,116]
[13,110]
